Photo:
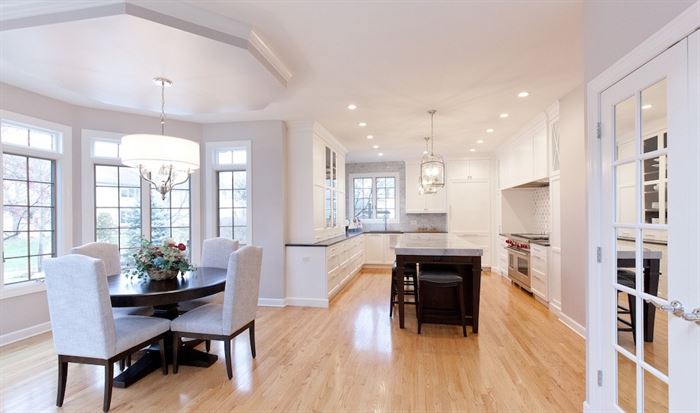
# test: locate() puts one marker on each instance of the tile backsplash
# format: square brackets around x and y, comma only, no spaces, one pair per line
[542,209]
[407,222]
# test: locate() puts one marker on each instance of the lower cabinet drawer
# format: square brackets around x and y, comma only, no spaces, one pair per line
[538,283]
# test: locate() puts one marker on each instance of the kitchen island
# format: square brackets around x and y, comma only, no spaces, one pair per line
[445,249]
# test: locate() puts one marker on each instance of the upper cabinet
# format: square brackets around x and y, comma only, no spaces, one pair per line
[316,182]
[525,157]
[417,203]
[468,170]
[553,131]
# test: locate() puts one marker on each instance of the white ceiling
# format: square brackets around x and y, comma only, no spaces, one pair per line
[395,60]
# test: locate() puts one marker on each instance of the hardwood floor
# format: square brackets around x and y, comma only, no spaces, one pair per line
[351,357]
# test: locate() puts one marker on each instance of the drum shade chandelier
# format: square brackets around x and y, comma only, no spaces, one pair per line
[432,167]
[163,161]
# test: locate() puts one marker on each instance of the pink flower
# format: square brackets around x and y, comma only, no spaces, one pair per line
[181,246]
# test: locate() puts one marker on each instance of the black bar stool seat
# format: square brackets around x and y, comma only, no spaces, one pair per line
[437,277]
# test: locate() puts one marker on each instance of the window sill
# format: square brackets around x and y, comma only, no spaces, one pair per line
[16,290]
[379,221]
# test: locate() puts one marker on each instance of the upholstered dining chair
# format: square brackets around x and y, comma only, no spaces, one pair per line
[84,329]
[237,313]
[215,253]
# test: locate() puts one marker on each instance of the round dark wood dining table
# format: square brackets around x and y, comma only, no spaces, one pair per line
[164,296]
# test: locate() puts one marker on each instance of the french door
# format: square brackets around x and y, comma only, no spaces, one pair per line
[650,235]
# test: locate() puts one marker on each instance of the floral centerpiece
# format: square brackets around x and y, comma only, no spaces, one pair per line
[162,262]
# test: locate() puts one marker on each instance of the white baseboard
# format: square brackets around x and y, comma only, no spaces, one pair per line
[271,302]
[555,307]
[576,327]
[307,302]
[18,335]
[586,407]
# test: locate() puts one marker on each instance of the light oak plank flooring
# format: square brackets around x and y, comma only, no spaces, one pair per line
[351,357]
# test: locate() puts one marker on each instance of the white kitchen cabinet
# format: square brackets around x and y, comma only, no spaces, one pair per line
[540,169]
[417,203]
[502,256]
[524,158]
[539,257]
[374,248]
[468,169]
[469,207]
[315,274]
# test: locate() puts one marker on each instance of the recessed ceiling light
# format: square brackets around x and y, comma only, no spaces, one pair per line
[380,154]
[352,106]
[489,130]
[480,141]
[503,115]
[523,94]
[472,150]
[375,146]
[362,124]
[647,106]
[370,136]
[425,152]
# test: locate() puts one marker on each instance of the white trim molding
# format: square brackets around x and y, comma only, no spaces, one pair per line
[573,325]
[18,335]
[271,302]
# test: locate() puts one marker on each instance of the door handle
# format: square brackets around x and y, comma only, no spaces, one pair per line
[676,308]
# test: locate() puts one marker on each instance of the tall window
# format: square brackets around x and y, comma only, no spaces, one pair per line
[170,217]
[375,197]
[233,205]
[28,216]
[118,208]
[29,171]
[228,190]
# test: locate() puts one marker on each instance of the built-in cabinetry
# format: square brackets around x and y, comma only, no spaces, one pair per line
[525,157]
[343,261]
[469,202]
[379,248]
[539,268]
[316,178]
[554,257]
[420,203]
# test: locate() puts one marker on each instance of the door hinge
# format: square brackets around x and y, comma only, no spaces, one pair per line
[600,378]
[598,130]
[599,254]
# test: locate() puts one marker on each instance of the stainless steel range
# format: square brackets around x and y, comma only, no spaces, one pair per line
[518,246]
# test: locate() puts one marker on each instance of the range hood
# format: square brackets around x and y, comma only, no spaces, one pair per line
[534,184]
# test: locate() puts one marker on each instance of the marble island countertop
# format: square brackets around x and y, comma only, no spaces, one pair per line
[436,244]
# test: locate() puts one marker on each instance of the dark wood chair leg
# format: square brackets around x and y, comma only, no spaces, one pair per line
[122,364]
[163,361]
[109,378]
[391,298]
[462,314]
[207,345]
[251,333]
[128,360]
[62,379]
[176,348]
[631,301]
[419,312]
[227,353]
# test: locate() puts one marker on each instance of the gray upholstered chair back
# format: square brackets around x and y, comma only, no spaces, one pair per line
[79,306]
[108,253]
[242,287]
[216,252]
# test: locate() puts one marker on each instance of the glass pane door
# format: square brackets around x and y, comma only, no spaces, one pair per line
[645,185]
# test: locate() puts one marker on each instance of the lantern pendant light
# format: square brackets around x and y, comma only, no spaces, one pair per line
[163,161]
[425,190]
[432,167]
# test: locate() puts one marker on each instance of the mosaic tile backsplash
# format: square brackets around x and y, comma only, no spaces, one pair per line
[542,209]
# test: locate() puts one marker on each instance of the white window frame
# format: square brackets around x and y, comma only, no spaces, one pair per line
[374,176]
[211,167]
[88,162]
[64,193]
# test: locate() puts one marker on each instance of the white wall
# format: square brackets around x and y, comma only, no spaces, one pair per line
[269,190]
[613,28]
[573,205]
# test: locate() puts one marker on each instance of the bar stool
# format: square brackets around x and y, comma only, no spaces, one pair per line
[440,279]
[410,286]
[627,278]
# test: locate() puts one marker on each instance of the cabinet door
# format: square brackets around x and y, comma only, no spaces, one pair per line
[479,169]
[374,248]
[539,153]
[458,169]
[436,203]
[415,202]
[390,241]
[469,207]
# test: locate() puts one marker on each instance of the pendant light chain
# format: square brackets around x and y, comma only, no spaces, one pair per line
[432,136]
[162,106]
